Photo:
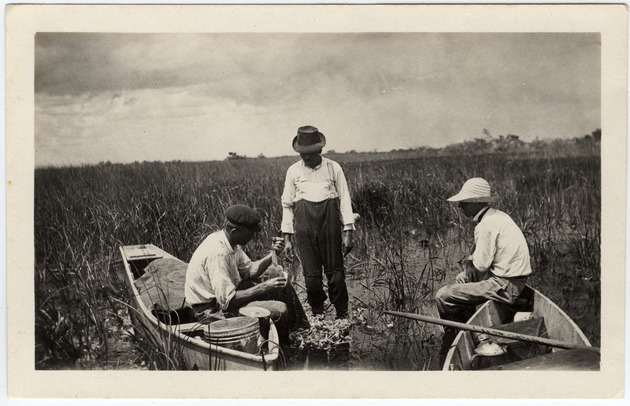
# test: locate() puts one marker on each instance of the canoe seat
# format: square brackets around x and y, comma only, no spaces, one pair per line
[532,327]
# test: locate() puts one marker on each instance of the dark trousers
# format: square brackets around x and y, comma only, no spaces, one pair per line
[295,317]
[318,243]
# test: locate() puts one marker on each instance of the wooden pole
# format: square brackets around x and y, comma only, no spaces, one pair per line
[493,331]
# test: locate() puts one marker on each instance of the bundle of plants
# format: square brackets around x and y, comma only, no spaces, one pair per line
[324,335]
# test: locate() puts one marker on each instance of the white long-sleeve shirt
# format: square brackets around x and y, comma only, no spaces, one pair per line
[326,181]
[500,246]
[215,270]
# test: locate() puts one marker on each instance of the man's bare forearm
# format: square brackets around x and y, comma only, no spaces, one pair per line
[259,267]
[242,297]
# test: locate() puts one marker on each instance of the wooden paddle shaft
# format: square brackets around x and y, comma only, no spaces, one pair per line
[493,331]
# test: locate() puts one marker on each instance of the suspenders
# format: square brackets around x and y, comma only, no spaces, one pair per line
[332,178]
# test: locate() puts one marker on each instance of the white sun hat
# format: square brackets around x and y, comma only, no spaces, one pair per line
[475,190]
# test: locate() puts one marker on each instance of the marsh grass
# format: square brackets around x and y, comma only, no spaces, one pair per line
[406,246]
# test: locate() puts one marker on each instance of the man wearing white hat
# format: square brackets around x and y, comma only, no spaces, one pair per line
[499,266]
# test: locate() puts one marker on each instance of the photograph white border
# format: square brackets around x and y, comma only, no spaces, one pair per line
[23,21]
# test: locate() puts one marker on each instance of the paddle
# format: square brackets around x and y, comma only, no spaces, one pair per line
[493,331]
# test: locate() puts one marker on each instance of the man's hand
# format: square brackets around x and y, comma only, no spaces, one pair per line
[461,277]
[348,242]
[288,246]
[274,285]
[469,274]
[277,244]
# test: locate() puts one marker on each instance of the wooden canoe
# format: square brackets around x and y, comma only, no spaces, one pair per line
[541,318]
[184,341]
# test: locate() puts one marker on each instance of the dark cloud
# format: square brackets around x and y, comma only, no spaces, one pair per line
[76,64]
[258,68]
[87,63]
[417,88]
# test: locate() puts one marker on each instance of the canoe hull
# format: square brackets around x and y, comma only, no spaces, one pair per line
[548,321]
[184,342]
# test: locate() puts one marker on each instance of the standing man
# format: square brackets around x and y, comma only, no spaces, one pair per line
[221,278]
[316,205]
[499,266]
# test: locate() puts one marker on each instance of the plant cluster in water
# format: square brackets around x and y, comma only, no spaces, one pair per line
[324,334]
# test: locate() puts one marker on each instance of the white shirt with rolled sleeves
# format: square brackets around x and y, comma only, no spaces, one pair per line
[326,181]
[500,246]
[215,270]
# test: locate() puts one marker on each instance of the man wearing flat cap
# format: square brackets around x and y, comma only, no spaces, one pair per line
[499,265]
[316,206]
[221,278]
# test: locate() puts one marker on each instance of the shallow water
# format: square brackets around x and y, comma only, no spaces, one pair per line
[384,343]
[381,342]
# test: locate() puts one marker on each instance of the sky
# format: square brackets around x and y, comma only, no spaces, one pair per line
[196,97]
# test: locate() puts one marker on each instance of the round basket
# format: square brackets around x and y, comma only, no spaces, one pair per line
[237,333]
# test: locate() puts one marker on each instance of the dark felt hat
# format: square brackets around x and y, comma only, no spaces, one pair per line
[243,216]
[308,140]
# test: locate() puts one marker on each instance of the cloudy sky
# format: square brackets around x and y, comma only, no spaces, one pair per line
[136,97]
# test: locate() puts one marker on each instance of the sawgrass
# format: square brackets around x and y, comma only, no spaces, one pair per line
[407,244]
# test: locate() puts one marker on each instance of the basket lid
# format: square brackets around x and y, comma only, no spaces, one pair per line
[254,311]
[232,326]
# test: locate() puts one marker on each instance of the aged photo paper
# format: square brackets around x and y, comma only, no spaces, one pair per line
[23,22]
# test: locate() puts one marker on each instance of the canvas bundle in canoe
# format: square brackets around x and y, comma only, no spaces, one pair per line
[155,282]
[533,315]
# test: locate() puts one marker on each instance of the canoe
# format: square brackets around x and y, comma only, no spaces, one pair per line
[533,315]
[177,335]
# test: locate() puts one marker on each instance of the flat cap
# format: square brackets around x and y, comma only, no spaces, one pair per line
[243,216]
